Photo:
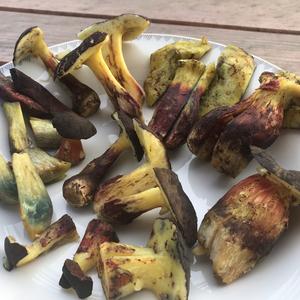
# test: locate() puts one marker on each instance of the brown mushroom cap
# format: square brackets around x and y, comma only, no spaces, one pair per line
[79,55]
[179,203]
[126,124]
[130,26]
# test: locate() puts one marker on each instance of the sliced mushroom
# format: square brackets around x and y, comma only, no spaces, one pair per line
[162,267]
[8,187]
[89,52]
[9,94]
[68,124]
[17,255]
[176,96]
[85,258]
[141,178]
[45,135]
[125,27]
[35,204]
[17,133]
[79,190]
[31,43]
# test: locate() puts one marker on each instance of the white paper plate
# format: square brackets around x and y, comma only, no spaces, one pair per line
[276,277]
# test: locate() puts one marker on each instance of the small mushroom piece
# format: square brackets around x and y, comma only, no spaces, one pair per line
[18,140]
[68,124]
[176,96]
[9,94]
[189,114]
[70,151]
[85,258]
[125,27]
[31,43]
[168,195]
[79,190]
[161,267]
[35,204]
[17,255]
[8,187]
[89,52]
[49,168]
[45,135]
[163,65]
[235,68]
[139,180]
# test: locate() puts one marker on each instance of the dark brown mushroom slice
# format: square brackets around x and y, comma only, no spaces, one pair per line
[68,124]
[180,205]
[9,94]
[82,284]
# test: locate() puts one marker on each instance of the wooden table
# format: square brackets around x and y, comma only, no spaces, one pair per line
[270,31]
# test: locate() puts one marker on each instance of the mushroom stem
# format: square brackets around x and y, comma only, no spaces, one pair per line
[79,190]
[17,255]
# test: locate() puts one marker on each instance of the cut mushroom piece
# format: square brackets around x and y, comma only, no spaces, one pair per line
[8,187]
[85,258]
[125,27]
[9,94]
[79,190]
[68,124]
[163,64]
[18,140]
[162,267]
[31,43]
[89,52]
[35,204]
[17,255]
[49,168]
[248,220]
[235,68]
[141,178]
[70,151]
[189,114]
[45,135]
[176,96]
[168,195]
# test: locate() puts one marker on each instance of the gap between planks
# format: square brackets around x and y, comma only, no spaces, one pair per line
[153,20]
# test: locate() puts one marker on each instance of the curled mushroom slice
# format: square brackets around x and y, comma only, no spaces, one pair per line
[68,124]
[89,52]
[79,190]
[161,267]
[17,255]
[125,27]
[85,258]
[31,43]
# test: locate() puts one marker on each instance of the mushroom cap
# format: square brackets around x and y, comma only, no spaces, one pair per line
[73,60]
[130,26]
[126,124]
[26,44]
[290,179]
[179,203]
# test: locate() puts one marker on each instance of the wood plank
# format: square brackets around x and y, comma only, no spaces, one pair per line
[280,49]
[278,14]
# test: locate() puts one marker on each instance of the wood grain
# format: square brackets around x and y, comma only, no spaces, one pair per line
[276,14]
[280,49]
